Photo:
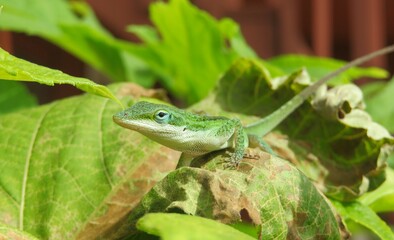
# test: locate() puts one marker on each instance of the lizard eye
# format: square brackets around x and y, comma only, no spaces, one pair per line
[162,116]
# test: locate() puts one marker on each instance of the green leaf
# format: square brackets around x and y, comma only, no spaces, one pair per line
[363,215]
[333,141]
[12,233]
[261,94]
[16,69]
[390,160]
[357,148]
[319,67]
[381,200]
[269,193]
[379,98]
[14,96]
[188,68]
[72,26]
[178,226]
[146,33]
[68,171]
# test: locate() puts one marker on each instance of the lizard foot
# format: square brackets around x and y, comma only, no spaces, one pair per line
[252,156]
[232,162]
[228,161]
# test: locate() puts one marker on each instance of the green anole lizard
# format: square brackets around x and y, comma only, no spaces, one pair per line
[196,135]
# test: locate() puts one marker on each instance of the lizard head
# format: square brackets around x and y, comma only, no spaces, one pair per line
[151,119]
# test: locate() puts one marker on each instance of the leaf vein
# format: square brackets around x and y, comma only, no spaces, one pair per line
[14,201]
[102,158]
[27,165]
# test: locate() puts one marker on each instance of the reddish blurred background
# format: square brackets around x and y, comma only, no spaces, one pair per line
[332,28]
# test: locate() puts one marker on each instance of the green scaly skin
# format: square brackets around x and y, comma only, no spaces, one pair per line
[196,135]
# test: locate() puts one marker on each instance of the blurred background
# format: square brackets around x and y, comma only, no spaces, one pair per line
[331,28]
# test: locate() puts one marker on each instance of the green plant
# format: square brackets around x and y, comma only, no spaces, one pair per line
[188,72]
[68,171]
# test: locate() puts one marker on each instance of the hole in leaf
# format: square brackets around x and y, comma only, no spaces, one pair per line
[341,114]
[245,216]
[346,107]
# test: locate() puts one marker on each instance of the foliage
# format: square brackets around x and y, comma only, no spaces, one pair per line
[17,94]
[69,172]
[68,160]
[364,216]
[186,67]
[72,26]
[171,51]
[318,67]
[359,143]
[288,196]
[178,226]
[7,232]
[381,200]
[16,69]
[191,52]
[378,99]
[48,153]
[378,96]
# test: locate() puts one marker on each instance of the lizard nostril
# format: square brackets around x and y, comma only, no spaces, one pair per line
[120,115]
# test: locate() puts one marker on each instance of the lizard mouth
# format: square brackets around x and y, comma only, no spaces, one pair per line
[119,118]
[123,119]
[124,122]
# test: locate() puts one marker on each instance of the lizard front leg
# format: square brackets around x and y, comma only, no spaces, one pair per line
[238,140]
[241,142]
